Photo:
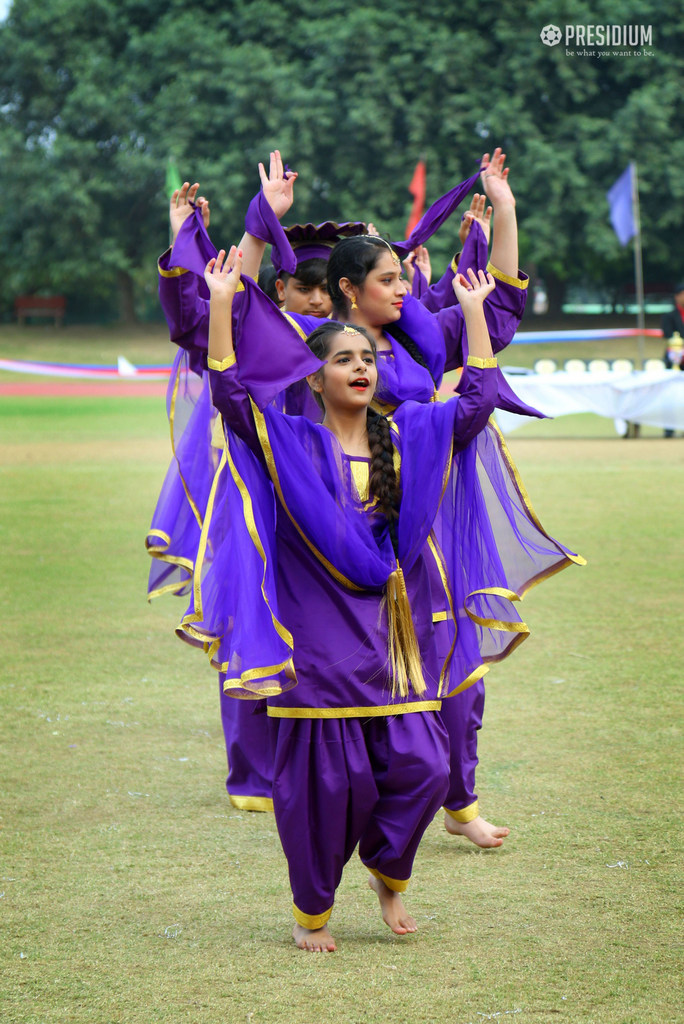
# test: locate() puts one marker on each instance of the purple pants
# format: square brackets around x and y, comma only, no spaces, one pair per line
[462,716]
[337,782]
[250,745]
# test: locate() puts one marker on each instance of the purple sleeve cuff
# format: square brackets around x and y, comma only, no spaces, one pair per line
[262,222]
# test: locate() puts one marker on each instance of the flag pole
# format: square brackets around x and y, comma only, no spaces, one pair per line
[638,266]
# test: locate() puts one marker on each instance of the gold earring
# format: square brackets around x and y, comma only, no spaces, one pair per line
[353,303]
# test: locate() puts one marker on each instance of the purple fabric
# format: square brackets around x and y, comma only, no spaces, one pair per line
[488,536]
[250,742]
[193,248]
[385,778]
[462,717]
[435,215]
[474,254]
[432,219]
[289,361]
[177,520]
[419,285]
[262,222]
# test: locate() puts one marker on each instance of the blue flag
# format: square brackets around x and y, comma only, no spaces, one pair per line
[621,208]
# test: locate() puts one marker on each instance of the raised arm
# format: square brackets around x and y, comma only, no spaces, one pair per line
[278,189]
[504,254]
[479,382]
[230,397]
[185,308]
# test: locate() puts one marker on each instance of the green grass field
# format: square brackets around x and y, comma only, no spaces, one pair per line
[131,891]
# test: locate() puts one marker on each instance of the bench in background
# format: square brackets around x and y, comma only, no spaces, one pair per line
[50,306]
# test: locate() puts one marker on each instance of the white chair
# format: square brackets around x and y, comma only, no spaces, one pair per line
[575,366]
[622,366]
[598,366]
[654,365]
[545,366]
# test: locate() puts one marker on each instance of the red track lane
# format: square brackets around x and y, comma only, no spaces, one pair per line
[84,389]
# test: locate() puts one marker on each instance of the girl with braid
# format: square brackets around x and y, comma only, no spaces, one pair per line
[321,601]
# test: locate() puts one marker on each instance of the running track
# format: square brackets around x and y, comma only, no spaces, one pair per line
[84,389]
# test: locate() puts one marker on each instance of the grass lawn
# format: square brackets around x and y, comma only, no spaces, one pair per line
[131,891]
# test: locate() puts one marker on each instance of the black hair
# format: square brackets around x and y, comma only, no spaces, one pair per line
[383,482]
[266,281]
[354,258]
[311,272]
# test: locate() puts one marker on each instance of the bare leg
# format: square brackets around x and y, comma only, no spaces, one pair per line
[318,940]
[394,913]
[479,831]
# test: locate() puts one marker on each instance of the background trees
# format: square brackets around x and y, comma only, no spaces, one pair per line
[96,95]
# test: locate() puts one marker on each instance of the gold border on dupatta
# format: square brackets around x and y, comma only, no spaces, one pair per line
[211,643]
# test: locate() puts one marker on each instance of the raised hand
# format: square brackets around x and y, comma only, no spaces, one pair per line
[181,206]
[277,185]
[471,291]
[495,179]
[477,212]
[418,257]
[222,274]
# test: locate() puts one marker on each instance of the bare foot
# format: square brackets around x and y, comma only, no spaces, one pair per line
[316,940]
[394,913]
[478,831]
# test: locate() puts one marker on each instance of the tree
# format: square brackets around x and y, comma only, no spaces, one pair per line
[95,95]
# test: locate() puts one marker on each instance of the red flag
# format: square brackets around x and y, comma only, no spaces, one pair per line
[417,190]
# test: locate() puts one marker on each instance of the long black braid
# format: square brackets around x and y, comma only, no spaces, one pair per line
[383,483]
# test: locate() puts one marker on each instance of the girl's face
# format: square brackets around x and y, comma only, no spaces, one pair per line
[380,297]
[347,381]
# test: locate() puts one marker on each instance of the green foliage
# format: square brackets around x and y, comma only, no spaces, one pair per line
[95,95]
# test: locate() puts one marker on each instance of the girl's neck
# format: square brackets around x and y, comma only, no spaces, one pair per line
[350,429]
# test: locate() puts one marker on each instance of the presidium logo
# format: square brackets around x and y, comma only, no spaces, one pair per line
[551,35]
[616,40]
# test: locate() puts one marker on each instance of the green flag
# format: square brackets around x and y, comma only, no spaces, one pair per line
[173,179]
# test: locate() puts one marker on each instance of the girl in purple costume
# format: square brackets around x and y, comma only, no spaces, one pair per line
[249,786]
[358,733]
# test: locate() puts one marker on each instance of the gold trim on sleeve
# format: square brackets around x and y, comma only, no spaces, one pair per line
[214,364]
[517,282]
[293,323]
[173,272]
[482,364]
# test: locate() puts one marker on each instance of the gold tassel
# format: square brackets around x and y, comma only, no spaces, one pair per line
[403,651]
